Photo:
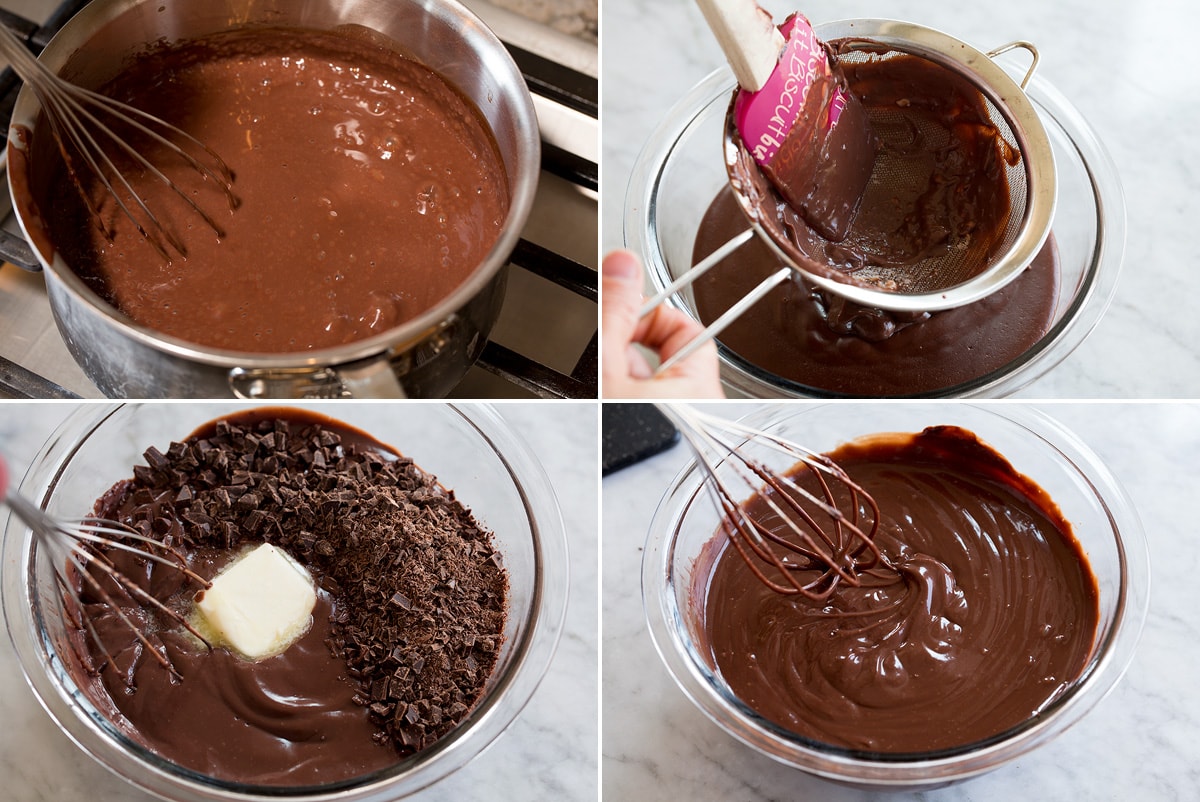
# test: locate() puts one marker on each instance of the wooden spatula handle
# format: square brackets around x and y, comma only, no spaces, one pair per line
[748,36]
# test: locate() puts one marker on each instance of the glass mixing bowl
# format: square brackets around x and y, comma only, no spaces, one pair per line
[674,583]
[681,169]
[471,451]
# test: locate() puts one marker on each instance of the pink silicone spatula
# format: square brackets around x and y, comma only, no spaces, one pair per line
[809,135]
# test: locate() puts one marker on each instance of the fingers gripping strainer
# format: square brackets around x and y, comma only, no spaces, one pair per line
[956,275]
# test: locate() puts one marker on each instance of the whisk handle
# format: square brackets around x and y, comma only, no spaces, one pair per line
[15,250]
[3,477]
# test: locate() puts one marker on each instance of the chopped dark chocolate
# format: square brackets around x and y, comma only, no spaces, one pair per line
[418,589]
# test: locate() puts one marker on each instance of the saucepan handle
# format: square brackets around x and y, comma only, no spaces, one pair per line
[16,250]
[372,378]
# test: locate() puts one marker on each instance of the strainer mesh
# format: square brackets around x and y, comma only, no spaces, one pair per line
[895,177]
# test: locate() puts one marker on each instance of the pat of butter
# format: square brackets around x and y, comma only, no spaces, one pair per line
[261,603]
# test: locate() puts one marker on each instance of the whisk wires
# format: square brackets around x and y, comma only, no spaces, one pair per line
[73,114]
[77,550]
[809,543]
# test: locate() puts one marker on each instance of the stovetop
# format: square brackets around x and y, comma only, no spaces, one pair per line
[544,342]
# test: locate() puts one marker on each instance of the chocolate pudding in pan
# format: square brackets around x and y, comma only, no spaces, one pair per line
[986,610]
[368,189]
[405,633]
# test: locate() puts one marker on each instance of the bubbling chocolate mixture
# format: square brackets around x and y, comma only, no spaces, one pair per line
[990,612]
[408,624]
[369,190]
[819,340]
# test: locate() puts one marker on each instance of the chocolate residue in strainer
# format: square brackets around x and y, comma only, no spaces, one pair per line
[825,162]
[937,209]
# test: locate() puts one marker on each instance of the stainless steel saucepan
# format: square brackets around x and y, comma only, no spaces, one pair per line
[423,357]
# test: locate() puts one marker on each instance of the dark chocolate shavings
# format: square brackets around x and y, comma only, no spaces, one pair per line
[419,589]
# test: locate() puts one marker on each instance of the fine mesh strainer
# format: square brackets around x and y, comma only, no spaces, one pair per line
[958,275]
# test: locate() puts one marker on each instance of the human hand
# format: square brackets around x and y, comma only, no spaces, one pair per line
[3,478]
[626,371]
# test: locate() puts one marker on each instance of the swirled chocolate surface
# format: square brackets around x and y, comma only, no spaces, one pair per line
[989,613]
[369,190]
[817,339]
[290,719]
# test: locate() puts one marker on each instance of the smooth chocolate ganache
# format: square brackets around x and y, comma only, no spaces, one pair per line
[409,620]
[368,189]
[814,338]
[983,612]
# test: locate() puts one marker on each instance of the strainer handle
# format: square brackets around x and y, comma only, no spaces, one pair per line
[1002,49]
[698,270]
[730,315]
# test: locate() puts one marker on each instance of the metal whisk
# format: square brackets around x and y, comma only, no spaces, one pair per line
[806,543]
[76,549]
[85,127]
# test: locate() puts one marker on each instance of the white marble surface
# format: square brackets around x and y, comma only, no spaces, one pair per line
[575,17]
[1141,742]
[1131,69]
[550,751]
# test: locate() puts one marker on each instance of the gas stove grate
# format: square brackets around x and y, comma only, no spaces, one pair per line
[552,81]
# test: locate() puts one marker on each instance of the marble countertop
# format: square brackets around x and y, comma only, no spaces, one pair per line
[1130,70]
[574,17]
[1141,742]
[549,752]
